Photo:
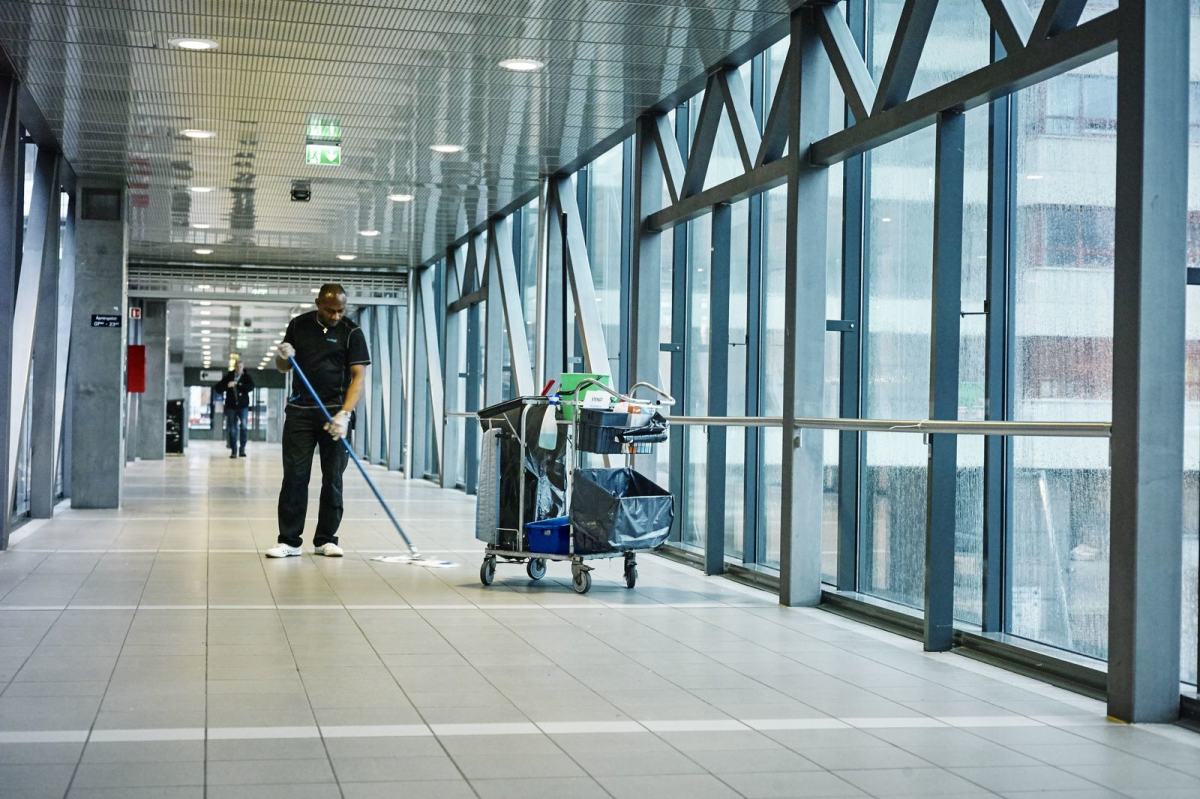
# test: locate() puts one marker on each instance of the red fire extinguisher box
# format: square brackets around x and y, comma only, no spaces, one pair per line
[136,360]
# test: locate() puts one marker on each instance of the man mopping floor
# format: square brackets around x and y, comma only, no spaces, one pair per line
[332,351]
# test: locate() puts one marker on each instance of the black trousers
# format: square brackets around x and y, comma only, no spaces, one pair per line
[304,431]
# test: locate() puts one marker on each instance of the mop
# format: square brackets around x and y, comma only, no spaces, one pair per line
[413,556]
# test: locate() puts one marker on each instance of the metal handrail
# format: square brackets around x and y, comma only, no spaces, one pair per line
[924,426]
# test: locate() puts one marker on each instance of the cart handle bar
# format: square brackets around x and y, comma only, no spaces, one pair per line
[667,398]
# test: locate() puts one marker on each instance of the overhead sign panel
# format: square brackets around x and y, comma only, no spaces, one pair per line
[323,154]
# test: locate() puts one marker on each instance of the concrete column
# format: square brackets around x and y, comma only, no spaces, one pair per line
[178,319]
[97,373]
[152,413]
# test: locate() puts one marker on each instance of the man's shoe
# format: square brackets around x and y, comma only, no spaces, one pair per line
[233,454]
[283,551]
[328,550]
[242,454]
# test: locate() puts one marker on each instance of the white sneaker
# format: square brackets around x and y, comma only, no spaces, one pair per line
[283,551]
[328,550]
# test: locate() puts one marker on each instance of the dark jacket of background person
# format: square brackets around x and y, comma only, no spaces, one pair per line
[236,390]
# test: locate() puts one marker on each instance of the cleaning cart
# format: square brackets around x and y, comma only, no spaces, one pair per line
[536,501]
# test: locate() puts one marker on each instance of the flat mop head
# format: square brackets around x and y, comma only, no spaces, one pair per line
[417,559]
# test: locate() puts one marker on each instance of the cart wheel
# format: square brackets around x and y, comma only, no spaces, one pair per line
[630,575]
[582,582]
[487,572]
[536,568]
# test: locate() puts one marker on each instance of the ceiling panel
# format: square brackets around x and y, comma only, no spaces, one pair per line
[398,75]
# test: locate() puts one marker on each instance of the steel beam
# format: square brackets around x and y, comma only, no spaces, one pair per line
[1055,17]
[10,254]
[998,382]
[847,60]
[493,364]
[1012,22]
[741,116]
[853,343]
[510,296]
[912,31]
[432,355]
[1040,61]
[704,138]
[45,414]
[646,266]
[804,327]
[66,302]
[716,466]
[554,335]
[579,273]
[945,325]
[539,329]
[23,321]
[765,177]
[396,408]
[1145,572]
[775,129]
[670,161]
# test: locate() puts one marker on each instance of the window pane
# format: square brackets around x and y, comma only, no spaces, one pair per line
[735,437]
[899,270]
[696,399]
[1058,574]
[605,176]
[528,267]
[1191,427]
[771,388]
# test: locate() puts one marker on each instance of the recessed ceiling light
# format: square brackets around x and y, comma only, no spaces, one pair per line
[343,258]
[193,43]
[201,225]
[1034,177]
[400,198]
[196,133]
[205,302]
[201,189]
[202,251]
[369,232]
[446,148]
[522,64]
[204,287]
[886,219]
[205,339]
[205,313]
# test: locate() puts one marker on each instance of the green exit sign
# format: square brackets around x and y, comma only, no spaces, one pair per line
[323,154]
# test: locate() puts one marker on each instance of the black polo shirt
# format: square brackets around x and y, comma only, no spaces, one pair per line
[325,354]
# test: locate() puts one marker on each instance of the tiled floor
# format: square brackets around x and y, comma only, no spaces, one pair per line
[154,652]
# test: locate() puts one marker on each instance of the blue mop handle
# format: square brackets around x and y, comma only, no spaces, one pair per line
[312,392]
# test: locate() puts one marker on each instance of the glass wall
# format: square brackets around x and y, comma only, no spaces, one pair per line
[1037,252]
[695,391]
[605,234]
[1064,182]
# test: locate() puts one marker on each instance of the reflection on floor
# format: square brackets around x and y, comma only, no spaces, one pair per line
[155,652]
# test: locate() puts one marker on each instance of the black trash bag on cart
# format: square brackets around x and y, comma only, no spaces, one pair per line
[617,510]
[542,475]
[654,431]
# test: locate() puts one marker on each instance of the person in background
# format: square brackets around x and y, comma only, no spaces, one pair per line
[237,387]
[332,352]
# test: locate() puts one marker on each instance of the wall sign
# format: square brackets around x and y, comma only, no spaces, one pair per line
[211,375]
[135,313]
[106,320]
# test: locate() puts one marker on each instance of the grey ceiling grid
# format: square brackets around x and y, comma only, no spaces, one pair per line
[400,75]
